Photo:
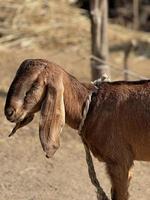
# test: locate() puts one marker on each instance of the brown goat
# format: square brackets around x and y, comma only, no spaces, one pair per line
[117,126]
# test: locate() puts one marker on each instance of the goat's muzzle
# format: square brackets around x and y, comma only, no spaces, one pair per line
[13,116]
[9,111]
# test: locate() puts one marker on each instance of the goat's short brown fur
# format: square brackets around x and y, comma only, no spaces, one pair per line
[117,127]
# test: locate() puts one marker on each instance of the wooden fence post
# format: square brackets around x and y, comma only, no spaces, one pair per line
[136,14]
[130,46]
[99,37]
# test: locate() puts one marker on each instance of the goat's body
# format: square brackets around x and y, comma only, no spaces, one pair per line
[120,118]
[117,126]
[117,130]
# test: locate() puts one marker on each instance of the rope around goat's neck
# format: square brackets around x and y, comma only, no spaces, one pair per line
[85,111]
[92,174]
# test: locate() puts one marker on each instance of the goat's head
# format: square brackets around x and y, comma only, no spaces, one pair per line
[38,85]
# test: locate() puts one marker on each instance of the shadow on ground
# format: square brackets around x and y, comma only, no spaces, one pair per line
[3,93]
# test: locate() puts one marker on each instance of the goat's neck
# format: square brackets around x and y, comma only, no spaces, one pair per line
[75,95]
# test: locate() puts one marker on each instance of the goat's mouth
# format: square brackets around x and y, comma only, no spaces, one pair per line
[15,120]
[13,116]
[20,122]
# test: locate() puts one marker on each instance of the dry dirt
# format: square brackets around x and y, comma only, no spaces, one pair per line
[25,173]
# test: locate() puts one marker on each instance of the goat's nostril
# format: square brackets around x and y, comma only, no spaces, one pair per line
[9,111]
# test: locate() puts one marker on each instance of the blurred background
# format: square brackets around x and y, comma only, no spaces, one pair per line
[60,31]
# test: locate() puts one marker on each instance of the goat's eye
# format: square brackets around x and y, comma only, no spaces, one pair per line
[34,87]
[26,97]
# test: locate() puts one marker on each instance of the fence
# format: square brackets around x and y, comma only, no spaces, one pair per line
[123,70]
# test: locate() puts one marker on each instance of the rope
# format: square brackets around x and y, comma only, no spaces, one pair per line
[88,101]
[92,174]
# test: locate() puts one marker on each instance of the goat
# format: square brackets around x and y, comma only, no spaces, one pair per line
[116,129]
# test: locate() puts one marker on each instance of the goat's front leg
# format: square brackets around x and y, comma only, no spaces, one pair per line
[119,174]
[119,180]
[113,190]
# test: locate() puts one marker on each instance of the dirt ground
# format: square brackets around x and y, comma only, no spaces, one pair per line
[25,173]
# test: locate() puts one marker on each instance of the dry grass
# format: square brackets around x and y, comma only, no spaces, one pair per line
[48,24]
[35,23]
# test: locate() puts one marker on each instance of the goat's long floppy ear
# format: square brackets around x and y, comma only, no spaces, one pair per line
[52,118]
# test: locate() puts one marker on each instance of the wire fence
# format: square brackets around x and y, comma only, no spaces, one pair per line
[113,67]
[118,68]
